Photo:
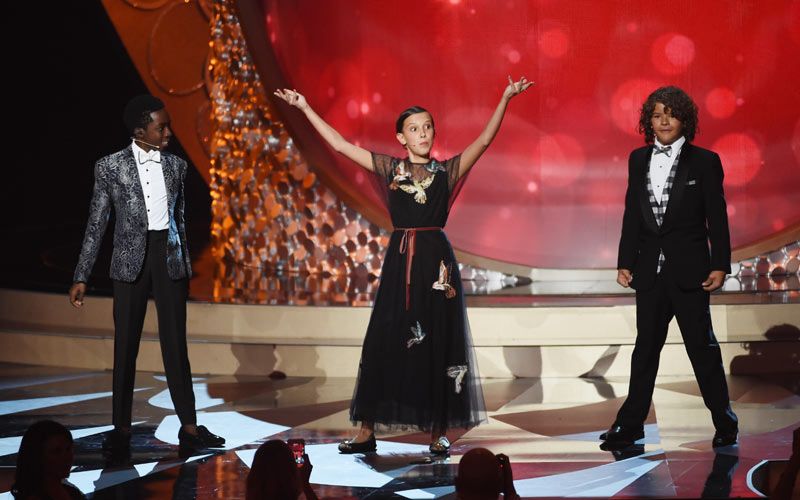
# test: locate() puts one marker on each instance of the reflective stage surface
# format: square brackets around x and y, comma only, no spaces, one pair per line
[548,427]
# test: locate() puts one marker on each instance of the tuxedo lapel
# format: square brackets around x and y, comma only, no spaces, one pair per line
[133,185]
[643,195]
[678,184]
[170,178]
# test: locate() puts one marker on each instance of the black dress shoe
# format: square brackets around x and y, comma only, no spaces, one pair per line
[604,435]
[724,439]
[117,447]
[622,434]
[117,440]
[622,451]
[203,439]
[348,447]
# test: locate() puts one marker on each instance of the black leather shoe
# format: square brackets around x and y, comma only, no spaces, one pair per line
[622,451]
[117,447]
[724,439]
[117,440]
[622,434]
[203,439]
[348,447]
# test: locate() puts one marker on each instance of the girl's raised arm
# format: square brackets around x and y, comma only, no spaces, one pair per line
[476,149]
[331,136]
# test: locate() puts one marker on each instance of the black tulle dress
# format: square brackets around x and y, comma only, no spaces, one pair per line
[417,366]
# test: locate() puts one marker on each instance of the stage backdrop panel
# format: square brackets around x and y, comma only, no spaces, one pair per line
[549,192]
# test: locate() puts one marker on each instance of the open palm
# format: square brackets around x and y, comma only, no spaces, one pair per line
[293,97]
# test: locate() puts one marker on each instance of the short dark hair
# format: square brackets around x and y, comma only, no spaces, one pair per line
[137,111]
[413,110]
[676,102]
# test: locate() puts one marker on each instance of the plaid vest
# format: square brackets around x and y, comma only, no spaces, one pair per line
[660,206]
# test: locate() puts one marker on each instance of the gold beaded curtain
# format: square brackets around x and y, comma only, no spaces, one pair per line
[269,210]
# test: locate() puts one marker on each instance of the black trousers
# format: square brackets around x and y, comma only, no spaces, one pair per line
[130,305]
[655,309]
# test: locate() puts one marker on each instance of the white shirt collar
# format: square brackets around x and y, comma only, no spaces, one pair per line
[676,146]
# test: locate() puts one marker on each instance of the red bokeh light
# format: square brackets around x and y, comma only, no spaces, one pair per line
[743,209]
[721,102]
[510,53]
[741,158]
[672,53]
[627,101]
[560,159]
[554,42]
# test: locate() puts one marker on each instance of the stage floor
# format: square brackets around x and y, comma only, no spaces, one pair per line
[547,426]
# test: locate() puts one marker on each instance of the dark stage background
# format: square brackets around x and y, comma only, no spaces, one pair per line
[67,78]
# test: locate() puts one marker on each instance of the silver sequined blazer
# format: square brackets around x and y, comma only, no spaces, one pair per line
[117,185]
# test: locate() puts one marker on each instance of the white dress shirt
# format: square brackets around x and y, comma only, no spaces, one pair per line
[660,166]
[153,186]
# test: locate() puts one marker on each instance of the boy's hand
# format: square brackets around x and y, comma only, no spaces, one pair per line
[624,277]
[715,280]
[76,293]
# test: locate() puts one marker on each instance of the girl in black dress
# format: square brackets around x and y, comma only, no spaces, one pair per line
[417,365]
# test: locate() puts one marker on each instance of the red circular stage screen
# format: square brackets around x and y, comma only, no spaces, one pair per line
[549,192]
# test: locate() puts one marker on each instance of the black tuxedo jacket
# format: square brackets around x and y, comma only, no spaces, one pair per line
[696,216]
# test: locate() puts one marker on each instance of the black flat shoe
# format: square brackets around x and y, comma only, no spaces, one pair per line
[724,439]
[203,439]
[622,434]
[440,447]
[348,447]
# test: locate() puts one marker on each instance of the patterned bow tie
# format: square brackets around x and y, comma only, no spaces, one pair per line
[153,155]
[667,150]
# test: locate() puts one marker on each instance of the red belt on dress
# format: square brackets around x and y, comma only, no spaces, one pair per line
[408,245]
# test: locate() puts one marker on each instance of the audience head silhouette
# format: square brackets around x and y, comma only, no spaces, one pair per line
[274,473]
[479,475]
[44,460]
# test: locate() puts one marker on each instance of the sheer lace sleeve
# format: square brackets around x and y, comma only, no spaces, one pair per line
[383,165]
[454,184]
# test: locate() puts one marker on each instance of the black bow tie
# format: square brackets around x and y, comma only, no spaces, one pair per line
[667,150]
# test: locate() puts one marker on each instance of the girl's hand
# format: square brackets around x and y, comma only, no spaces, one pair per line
[293,97]
[515,88]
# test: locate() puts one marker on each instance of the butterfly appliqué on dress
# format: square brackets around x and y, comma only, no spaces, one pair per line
[417,336]
[443,283]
